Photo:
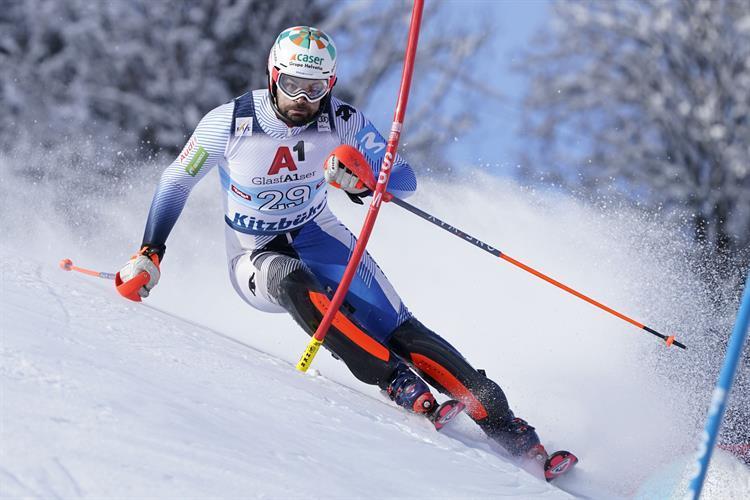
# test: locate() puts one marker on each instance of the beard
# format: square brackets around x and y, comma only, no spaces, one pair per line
[298,117]
[297,114]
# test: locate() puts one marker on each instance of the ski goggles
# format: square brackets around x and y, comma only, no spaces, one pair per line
[294,86]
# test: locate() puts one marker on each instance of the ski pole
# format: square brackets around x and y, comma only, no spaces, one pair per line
[67,265]
[670,340]
[380,191]
[128,289]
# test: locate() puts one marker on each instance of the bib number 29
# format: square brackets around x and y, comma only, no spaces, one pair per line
[278,200]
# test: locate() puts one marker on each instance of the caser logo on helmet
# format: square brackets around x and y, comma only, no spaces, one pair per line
[305,58]
[297,64]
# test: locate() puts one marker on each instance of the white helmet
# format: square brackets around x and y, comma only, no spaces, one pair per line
[302,62]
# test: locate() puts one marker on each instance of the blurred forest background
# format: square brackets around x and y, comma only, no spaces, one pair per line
[649,100]
[136,76]
[642,102]
[634,103]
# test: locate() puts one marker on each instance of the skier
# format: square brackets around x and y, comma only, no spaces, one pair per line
[286,250]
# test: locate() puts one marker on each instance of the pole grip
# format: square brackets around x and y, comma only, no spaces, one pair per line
[307,357]
[129,289]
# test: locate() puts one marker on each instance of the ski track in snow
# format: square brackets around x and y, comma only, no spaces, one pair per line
[193,394]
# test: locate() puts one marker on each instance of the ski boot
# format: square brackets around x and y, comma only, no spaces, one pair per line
[409,391]
[515,435]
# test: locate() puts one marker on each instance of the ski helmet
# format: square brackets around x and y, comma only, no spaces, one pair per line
[302,62]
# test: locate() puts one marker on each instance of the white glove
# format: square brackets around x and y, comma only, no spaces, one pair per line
[338,175]
[136,266]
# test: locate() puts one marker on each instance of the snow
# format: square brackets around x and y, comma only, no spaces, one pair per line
[192,394]
[105,398]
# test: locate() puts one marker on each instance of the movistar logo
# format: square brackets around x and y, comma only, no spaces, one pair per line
[305,58]
[371,143]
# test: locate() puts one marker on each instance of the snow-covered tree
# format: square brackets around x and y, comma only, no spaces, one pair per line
[444,95]
[137,75]
[649,99]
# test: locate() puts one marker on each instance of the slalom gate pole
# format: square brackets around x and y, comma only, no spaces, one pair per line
[670,340]
[377,197]
[67,265]
[721,395]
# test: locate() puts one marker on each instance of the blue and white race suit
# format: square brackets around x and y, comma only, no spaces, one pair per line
[279,228]
[273,185]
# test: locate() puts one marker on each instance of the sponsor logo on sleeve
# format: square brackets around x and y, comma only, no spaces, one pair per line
[243,126]
[189,148]
[372,142]
[195,165]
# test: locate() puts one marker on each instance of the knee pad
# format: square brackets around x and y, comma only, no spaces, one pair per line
[445,368]
[367,359]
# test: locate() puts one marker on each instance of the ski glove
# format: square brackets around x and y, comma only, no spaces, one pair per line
[146,262]
[337,174]
[347,169]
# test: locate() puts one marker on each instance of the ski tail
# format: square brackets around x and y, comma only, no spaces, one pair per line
[446,412]
[559,463]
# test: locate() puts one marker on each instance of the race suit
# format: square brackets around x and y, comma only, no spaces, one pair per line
[287,251]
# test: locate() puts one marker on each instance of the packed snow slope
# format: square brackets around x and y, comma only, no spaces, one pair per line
[194,394]
[103,398]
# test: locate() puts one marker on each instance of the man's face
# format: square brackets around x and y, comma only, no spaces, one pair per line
[297,111]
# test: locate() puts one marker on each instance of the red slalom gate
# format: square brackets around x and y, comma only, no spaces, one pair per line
[377,197]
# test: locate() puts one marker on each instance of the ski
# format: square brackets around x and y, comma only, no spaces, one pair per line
[445,413]
[555,464]
[558,464]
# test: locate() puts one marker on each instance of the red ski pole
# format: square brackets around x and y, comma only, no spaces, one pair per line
[129,289]
[377,197]
[67,265]
[669,339]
